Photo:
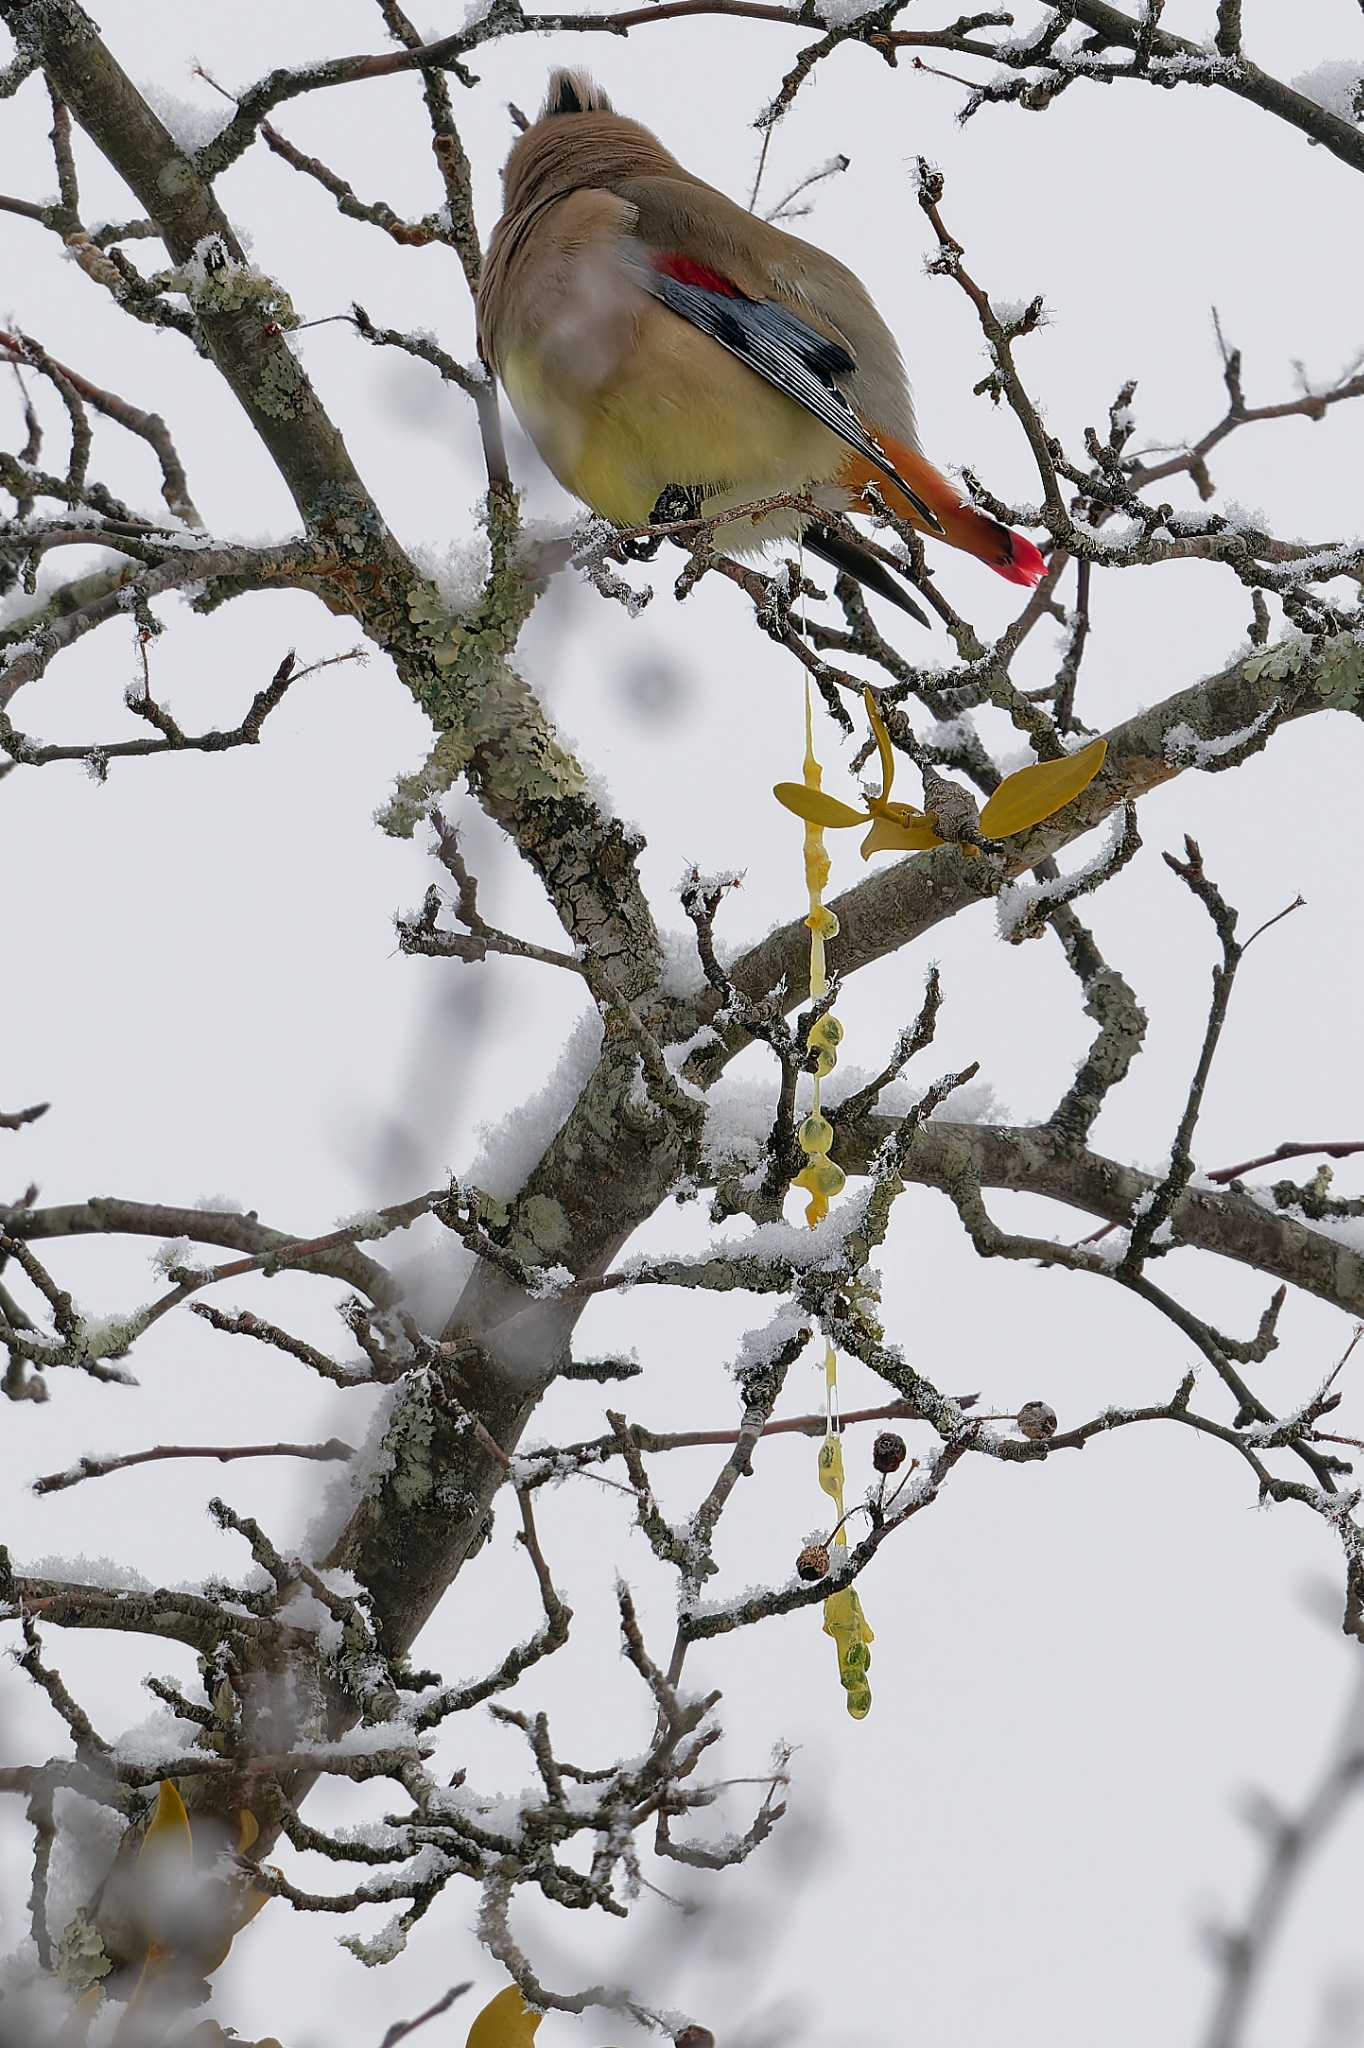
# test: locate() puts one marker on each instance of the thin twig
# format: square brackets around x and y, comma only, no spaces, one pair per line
[97,1468]
[400,2029]
[14,1119]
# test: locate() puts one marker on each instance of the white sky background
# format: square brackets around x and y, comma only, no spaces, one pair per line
[1078,1667]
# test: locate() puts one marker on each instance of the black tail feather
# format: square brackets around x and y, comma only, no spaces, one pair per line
[842,553]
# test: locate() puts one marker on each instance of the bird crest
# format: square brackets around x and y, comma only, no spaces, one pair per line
[574,92]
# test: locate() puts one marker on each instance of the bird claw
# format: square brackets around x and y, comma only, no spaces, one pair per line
[677,501]
[641,547]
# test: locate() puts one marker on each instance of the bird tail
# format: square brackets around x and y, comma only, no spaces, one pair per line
[844,555]
[1010,555]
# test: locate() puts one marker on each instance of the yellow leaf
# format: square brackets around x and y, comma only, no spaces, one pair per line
[248,1828]
[254,1900]
[888,835]
[168,1829]
[1039,792]
[815,806]
[883,746]
[239,1911]
[507,2022]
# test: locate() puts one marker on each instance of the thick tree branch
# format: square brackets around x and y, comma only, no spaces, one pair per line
[905,899]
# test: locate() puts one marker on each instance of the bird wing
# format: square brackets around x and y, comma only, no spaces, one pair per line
[781,347]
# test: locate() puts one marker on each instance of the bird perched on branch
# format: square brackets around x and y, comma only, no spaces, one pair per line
[653,337]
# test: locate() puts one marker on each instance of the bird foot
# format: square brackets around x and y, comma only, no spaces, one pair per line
[678,501]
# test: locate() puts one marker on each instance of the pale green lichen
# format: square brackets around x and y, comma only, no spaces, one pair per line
[427,608]
[79,1957]
[442,628]
[489,1210]
[478,703]
[216,281]
[281,389]
[403,1469]
[414,794]
[1339,663]
[108,1336]
[542,1226]
[349,521]
[374,1950]
[1284,659]
[486,705]
[1340,680]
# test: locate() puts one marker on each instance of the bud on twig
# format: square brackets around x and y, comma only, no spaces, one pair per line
[1037,1420]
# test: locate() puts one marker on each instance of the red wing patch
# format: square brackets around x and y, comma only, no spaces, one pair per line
[687,271]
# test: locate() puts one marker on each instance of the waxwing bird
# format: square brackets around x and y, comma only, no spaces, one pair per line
[653,337]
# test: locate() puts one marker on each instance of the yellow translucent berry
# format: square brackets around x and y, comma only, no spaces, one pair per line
[859,1703]
[824,1178]
[816,1134]
[823,922]
[826,1031]
[825,1061]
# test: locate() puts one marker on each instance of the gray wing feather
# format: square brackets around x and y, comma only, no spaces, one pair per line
[790,354]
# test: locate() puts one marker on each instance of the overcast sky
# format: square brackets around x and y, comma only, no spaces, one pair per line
[1079,1667]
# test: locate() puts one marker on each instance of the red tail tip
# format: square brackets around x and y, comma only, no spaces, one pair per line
[1023,563]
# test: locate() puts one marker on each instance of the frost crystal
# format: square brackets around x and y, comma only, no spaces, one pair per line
[1334,85]
[1182,743]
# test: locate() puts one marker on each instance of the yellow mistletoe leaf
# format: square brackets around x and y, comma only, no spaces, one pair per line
[241,1909]
[1039,792]
[883,746]
[168,1832]
[506,2022]
[888,835]
[253,1902]
[815,806]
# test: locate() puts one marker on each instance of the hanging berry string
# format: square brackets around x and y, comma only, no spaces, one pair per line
[822,1179]
[1021,800]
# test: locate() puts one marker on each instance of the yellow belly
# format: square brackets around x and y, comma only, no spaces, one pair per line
[677,410]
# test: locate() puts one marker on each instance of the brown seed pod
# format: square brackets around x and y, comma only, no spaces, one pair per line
[1037,1420]
[813,1563]
[694,2037]
[889,1451]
